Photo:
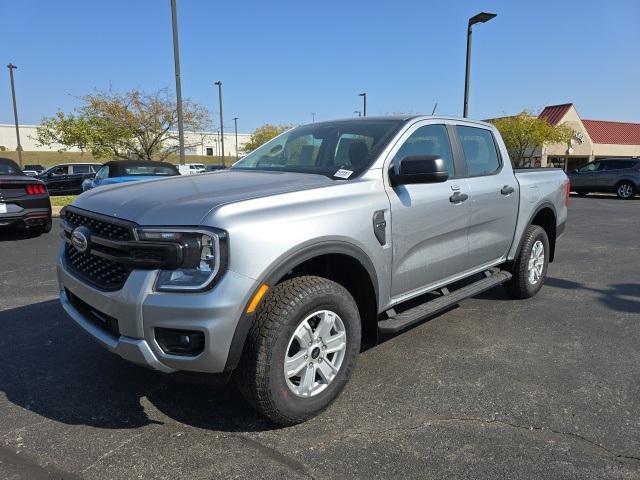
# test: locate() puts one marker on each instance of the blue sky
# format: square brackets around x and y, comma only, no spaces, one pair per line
[281,60]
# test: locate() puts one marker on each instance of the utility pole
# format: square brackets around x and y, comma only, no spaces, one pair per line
[479,18]
[235,123]
[313,117]
[219,84]
[176,61]
[364,103]
[11,68]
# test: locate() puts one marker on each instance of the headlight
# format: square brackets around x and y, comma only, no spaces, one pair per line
[204,256]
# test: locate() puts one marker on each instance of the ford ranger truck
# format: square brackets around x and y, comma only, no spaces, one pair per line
[281,267]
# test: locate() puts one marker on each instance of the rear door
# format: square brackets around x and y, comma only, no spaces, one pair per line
[77,175]
[494,195]
[608,174]
[56,178]
[429,230]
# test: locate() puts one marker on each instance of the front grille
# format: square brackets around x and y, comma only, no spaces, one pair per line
[110,230]
[100,272]
[103,321]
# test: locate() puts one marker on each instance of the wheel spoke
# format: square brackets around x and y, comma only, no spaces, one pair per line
[327,371]
[294,364]
[308,377]
[304,334]
[335,343]
[327,320]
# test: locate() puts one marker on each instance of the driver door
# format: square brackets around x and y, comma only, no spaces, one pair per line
[429,224]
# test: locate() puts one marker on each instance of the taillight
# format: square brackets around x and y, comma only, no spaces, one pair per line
[35,189]
[567,191]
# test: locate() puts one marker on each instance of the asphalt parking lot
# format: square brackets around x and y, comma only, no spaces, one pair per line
[542,388]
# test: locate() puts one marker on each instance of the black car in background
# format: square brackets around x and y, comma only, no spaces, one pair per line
[67,178]
[619,175]
[23,200]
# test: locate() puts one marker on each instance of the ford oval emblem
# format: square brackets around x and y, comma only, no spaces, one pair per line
[80,239]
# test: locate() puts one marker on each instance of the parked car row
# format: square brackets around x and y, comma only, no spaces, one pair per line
[122,171]
[196,168]
[619,175]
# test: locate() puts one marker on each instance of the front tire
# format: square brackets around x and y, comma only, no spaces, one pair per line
[625,190]
[300,350]
[530,268]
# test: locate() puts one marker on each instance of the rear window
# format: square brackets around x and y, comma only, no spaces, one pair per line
[479,150]
[9,167]
[148,170]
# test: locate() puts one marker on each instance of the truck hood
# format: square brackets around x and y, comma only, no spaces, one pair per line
[185,200]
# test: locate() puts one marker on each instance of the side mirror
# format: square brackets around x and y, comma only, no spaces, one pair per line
[420,169]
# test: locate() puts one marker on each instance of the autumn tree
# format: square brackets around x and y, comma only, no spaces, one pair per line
[525,133]
[262,135]
[131,125]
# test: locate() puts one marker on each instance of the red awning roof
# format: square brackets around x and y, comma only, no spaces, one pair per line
[621,133]
[554,113]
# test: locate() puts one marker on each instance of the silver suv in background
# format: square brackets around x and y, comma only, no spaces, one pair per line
[619,175]
[282,266]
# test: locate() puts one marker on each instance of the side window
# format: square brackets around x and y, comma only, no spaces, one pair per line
[429,140]
[479,150]
[611,165]
[102,173]
[81,169]
[591,167]
[60,170]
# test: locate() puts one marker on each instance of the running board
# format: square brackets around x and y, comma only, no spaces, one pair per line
[415,314]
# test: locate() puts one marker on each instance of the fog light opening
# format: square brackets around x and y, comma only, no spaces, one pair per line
[180,342]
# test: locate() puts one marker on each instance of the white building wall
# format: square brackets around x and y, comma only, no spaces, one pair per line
[197,143]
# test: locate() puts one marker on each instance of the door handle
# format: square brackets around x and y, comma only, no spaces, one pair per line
[458,197]
[507,190]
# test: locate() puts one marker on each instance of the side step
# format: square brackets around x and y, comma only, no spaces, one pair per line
[415,314]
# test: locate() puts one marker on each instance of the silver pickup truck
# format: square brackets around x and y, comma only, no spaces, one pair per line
[280,268]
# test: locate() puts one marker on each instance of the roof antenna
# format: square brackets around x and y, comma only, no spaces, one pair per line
[434,108]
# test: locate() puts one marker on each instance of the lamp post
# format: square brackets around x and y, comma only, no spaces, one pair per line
[235,123]
[313,117]
[176,61]
[479,18]
[364,103]
[219,84]
[11,68]
[358,112]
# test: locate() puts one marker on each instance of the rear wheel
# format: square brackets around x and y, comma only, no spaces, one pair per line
[530,267]
[625,190]
[301,349]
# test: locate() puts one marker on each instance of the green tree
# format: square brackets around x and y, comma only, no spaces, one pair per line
[524,133]
[262,135]
[134,125]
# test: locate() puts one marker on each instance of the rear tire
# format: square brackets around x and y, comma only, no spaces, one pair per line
[42,229]
[530,267]
[625,190]
[284,331]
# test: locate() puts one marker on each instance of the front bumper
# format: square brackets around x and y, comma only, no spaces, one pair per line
[139,310]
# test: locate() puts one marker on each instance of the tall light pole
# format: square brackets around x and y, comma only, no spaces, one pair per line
[364,103]
[313,117]
[176,61]
[219,84]
[482,17]
[11,68]
[235,124]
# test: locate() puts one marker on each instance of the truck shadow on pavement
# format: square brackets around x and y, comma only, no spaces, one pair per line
[50,367]
[621,297]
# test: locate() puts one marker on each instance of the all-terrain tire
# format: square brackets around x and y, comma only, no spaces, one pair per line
[521,284]
[260,375]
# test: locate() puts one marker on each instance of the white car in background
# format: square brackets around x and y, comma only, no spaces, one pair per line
[191,168]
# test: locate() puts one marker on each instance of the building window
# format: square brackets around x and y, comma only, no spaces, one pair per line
[210,151]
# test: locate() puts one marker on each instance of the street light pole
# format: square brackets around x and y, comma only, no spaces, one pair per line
[313,117]
[11,68]
[479,18]
[176,61]
[364,103]
[219,84]
[235,123]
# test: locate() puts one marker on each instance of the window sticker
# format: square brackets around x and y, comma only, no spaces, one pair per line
[342,173]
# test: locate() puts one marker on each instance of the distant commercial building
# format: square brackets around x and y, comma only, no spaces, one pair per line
[197,143]
[592,139]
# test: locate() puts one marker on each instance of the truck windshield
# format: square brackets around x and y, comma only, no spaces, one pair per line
[341,149]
